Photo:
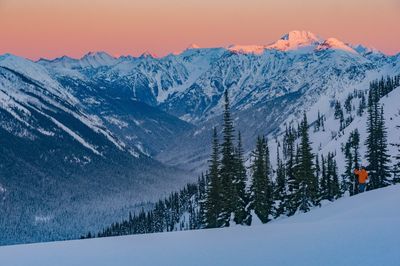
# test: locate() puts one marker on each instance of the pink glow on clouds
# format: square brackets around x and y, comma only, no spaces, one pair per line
[51,28]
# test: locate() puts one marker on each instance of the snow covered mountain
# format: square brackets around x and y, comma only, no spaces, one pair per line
[270,90]
[56,158]
[190,84]
[279,78]
[125,127]
[330,231]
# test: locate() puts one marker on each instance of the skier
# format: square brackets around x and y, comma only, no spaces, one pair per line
[362,178]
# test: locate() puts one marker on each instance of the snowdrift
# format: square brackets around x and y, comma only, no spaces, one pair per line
[361,230]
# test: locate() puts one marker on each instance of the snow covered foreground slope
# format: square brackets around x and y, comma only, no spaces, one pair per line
[361,230]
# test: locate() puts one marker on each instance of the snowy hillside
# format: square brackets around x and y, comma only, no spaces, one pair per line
[392,122]
[360,230]
[57,157]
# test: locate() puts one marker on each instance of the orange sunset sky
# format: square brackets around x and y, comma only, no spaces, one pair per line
[51,28]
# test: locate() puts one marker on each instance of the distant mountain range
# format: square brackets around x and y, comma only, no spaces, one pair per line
[98,134]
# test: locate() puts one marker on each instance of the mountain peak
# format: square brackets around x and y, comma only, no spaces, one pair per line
[335,44]
[193,46]
[300,36]
[100,54]
[147,54]
[295,39]
[97,59]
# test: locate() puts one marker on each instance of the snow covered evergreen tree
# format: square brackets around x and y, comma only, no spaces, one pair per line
[352,158]
[396,167]
[280,192]
[212,204]
[227,167]
[334,187]
[292,184]
[241,214]
[376,142]
[383,171]
[261,187]
[307,193]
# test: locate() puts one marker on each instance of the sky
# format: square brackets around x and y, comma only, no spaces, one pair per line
[52,28]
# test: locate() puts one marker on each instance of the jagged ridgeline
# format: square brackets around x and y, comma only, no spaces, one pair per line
[239,191]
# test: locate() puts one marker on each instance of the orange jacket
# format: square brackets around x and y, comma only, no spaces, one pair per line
[362,175]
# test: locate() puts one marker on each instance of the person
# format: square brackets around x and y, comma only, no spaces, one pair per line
[362,178]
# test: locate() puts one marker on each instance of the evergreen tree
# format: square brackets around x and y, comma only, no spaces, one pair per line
[292,184]
[241,214]
[268,175]
[352,158]
[212,204]
[347,103]
[307,194]
[319,122]
[362,105]
[158,216]
[333,179]
[280,187]
[227,169]
[339,115]
[396,168]
[261,190]
[355,146]
[383,171]
[376,142]
[338,111]
[371,141]
[324,181]
[317,167]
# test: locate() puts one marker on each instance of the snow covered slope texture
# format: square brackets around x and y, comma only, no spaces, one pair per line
[27,90]
[332,140]
[360,230]
[61,168]
[190,84]
[268,85]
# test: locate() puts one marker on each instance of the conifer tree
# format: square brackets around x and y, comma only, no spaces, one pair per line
[307,194]
[227,169]
[317,167]
[318,122]
[202,187]
[362,105]
[371,141]
[280,187]
[261,191]
[212,204]
[376,142]
[292,184]
[324,181]
[159,215]
[383,171]
[352,158]
[268,175]
[318,178]
[347,103]
[396,168]
[241,214]
[334,188]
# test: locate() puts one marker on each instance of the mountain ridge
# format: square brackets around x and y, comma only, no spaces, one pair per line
[287,42]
